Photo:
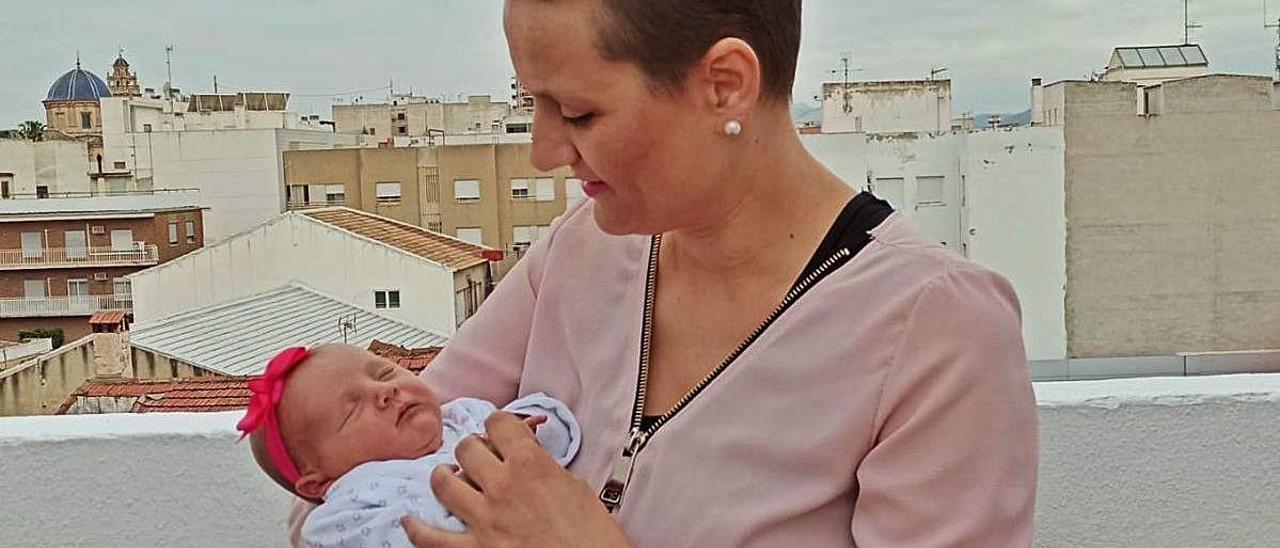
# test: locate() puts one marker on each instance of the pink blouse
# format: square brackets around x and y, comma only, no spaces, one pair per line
[890,406]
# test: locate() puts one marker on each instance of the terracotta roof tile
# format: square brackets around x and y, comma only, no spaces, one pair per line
[432,246]
[213,394]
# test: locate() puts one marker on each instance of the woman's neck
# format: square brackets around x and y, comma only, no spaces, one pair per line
[787,204]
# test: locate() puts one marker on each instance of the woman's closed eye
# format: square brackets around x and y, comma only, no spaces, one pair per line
[580,121]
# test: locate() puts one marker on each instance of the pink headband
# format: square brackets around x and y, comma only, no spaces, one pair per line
[267,391]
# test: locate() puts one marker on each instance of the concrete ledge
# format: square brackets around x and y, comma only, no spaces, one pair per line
[1187,461]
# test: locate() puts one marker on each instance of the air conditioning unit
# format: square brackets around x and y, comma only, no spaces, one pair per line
[100,277]
[98,230]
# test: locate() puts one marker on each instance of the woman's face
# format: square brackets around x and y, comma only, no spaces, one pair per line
[648,159]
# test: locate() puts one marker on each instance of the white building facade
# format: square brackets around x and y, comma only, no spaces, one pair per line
[42,167]
[909,106]
[297,248]
[233,156]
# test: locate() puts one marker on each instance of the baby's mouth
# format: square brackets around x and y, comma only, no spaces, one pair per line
[406,412]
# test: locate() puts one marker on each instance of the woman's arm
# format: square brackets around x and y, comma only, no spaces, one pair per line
[955,457]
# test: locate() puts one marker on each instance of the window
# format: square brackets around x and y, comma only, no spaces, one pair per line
[520,189]
[33,289]
[573,190]
[402,130]
[889,189]
[191,232]
[386,299]
[4,188]
[42,191]
[146,128]
[173,233]
[373,131]
[930,191]
[297,194]
[121,240]
[466,191]
[121,290]
[335,194]
[400,116]
[32,245]
[473,235]
[546,189]
[77,288]
[524,236]
[388,192]
[86,120]
[76,243]
[118,165]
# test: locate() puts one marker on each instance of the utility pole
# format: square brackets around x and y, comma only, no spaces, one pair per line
[168,67]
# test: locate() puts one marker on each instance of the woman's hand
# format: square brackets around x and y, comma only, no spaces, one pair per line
[514,494]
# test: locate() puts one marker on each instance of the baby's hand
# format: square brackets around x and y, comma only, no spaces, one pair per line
[534,421]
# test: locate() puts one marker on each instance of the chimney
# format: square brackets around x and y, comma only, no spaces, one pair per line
[1037,102]
[110,356]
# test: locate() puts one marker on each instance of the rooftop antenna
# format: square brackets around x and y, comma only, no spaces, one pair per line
[844,71]
[934,72]
[1187,24]
[347,324]
[77,59]
[168,67]
[1268,24]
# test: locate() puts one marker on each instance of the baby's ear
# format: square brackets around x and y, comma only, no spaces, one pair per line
[312,486]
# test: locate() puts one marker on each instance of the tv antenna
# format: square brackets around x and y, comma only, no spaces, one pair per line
[1269,24]
[844,85]
[168,67]
[934,72]
[347,325]
[1187,24]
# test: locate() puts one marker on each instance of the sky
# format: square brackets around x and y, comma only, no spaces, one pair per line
[327,51]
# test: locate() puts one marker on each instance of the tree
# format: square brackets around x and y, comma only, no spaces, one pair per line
[31,130]
[55,334]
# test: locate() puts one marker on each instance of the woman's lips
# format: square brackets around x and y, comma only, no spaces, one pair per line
[594,188]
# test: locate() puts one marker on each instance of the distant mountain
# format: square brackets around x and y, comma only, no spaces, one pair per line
[1009,119]
[803,112]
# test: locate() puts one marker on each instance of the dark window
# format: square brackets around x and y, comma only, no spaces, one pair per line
[386,299]
[393,299]
[42,192]
[86,120]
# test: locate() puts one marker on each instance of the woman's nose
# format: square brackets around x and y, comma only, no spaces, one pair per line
[552,147]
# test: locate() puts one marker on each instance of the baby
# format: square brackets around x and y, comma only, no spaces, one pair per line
[360,435]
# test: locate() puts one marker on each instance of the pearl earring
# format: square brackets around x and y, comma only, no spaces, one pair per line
[732,127]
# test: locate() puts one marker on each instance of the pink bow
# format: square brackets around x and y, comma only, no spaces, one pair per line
[266,393]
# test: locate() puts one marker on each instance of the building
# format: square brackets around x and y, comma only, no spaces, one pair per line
[415,116]
[123,82]
[72,108]
[65,260]
[1155,64]
[1172,239]
[399,270]
[887,107]
[38,385]
[487,194]
[42,168]
[237,338]
[229,147]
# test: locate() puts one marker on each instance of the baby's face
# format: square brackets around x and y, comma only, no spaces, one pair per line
[345,406]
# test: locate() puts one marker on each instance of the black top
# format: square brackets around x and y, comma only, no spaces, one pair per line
[851,230]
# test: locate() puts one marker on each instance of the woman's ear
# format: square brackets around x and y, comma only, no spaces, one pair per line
[729,78]
[313,486]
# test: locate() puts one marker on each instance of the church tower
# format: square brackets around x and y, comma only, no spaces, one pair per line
[122,81]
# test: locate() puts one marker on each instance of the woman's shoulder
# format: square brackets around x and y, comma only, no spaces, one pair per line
[905,264]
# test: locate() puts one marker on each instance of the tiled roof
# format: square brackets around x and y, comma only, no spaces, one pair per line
[237,338]
[196,395]
[432,246]
[413,359]
[207,394]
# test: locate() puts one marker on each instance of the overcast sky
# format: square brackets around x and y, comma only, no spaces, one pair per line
[314,48]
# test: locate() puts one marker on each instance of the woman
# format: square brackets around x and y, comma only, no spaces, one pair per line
[761,373]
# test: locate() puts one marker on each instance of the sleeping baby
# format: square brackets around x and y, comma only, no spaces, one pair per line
[360,435]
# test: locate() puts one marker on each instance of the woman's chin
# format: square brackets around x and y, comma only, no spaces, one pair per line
[613,225]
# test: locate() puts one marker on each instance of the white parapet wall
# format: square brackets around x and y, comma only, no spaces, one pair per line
[1135,462]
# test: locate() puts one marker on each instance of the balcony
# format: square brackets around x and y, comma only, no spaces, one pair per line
[79,257]
[1184,461]
[65,306]
[314,204]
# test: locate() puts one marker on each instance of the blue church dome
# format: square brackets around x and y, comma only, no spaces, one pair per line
[78,85]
